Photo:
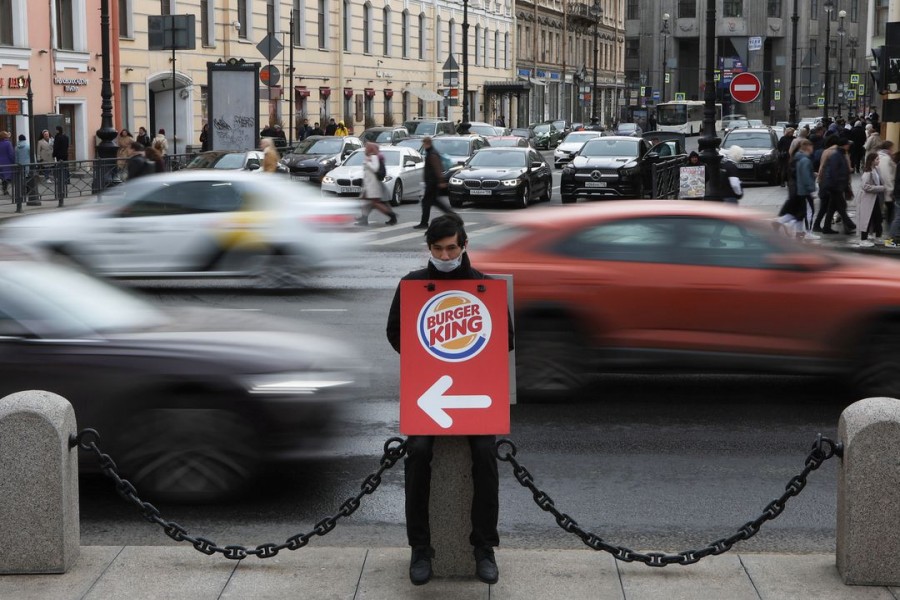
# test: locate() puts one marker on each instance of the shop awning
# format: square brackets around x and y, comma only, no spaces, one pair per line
[506,87]
[424,94]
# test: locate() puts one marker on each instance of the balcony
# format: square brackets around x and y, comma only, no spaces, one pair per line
[580,15]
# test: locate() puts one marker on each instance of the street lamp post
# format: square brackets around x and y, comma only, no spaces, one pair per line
[465,60]
[597,13]
[709,141]
[107,149]
[852,43]
[840,86]
[828,5]
[792,103]
[665,33]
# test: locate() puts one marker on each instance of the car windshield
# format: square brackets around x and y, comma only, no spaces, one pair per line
[451,147]
[421,127]
[319,146]
[482,129]
[559,125]
[230,161]
[505,142]
[486,158]
[356,159]
[391,158]
[413,143]
[520,133]
[542,128]
[579,137]
[627,127]
[63,302]
[607,147]
[749,139]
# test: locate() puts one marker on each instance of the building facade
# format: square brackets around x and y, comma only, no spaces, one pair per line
[665,54]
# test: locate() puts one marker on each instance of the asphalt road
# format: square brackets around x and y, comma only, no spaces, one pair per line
[665,463]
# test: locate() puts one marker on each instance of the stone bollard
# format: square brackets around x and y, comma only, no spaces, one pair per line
[450,507]
[868,502]
[39,528]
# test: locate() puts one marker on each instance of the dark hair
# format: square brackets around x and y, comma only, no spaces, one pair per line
[136,146]
[59,128]
[21,137]
[870,158]
[446,226]
[831,140]
[162,131]
[693,154]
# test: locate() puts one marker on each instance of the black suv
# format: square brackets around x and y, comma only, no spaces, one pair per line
[386,136]
[614,167]
[318,154]
[760,144]
[430,127]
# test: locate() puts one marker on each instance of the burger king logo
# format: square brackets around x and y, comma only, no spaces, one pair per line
[454,326]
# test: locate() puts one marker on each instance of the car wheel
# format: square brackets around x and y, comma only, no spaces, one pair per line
[550,358]
[188,455]
[878,370]
[522,201]
[280,271]
[397,195]
[569,199]
[549,190]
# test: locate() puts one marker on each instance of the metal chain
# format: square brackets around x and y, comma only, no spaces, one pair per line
[394,450]
[822,450]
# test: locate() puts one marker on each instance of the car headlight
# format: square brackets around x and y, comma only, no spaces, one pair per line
[766,158]
[296,383]
[328,179]
[328,160]
[510,182]
[456,181]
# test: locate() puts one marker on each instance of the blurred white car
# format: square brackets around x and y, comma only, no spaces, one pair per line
[197,224]
[404,167]
[571,144]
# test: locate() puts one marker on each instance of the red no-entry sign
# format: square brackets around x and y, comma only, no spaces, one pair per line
[745,87]
[454,365]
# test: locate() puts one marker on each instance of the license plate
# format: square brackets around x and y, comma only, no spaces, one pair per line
[349,190]
[743,166]
[480,192]
[301,178]
[595,184]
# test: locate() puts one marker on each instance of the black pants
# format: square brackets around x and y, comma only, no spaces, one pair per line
[485,500]
[837,204]
[431,198]
[874,224]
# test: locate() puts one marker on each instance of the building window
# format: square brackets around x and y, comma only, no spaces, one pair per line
[487,46]
[165,7]
[386,31]
[477,45]
[65,28]
[6,20]
[437,39]
[632,9]
[687,9]
[421,36]
[299,16]
[208,23]
[404,26]
[323,24]
[854,11]
[243,19]
[367,28]
[632,48]
[732,8]
[506,50]
[814,8]
[496,49]
[774,8]
[347,33]
[125,102]
[125,29]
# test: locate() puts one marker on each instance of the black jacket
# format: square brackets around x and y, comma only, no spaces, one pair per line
[433,174]
[464,271]
[61,147]
[836,175]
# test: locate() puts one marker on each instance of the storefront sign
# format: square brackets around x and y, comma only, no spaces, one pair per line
[69,85]
[17,83]
[11,106]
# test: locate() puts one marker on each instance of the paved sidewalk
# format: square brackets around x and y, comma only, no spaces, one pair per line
[175,572]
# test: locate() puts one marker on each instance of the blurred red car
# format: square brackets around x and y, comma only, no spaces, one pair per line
[690,287]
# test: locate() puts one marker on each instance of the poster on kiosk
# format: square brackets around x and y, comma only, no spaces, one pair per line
[454,364]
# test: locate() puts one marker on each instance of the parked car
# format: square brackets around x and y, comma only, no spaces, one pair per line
[431,127]
[525,133]
[403,182]
[507,141]
[684,286]
[455,150]
[614,167]
[760,162]
[628,129]
[388,136]
[494,175]
[250,160]
[191,403]
[314,156]
[570,145]
[193,224]
[546,136]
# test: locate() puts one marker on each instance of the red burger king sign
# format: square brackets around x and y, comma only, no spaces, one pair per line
[454,370]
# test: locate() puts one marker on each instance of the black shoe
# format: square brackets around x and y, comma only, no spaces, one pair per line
[420,565]
[817,229]
[828,231]
[362,222]
[421,226]
[485,565]
[850,230]
[392,220]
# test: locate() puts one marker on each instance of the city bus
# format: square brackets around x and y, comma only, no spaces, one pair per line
[684,116]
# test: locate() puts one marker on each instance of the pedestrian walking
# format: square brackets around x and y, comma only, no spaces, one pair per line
[834,181]
[887,171]
[61,153]
[447,244]
[434,183]
[143,138]
[857,150]
[824,194]
[123,141]
[796,213]
[873,139]
[270,155]
[372,193]
[23,152]
[341,129]
[7,162]
[138,163]
[204,138]
[867,202]
[154,156]
[45,155]
[160,143]
[784,155]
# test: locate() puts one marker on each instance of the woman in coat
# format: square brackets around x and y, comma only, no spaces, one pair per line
[867,201]
[372,189]
[7,161]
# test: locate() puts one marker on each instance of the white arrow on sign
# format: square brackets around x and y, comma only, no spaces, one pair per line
[435,403]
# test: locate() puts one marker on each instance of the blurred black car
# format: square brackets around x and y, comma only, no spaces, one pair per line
[546,136]
[495,175]
[564,127]
[456,150]
[314,156]
[760,161]
[250,160]
[613,167]
[524,132]
[191,403]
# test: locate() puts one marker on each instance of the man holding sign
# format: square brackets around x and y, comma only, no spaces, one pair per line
[450,332]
